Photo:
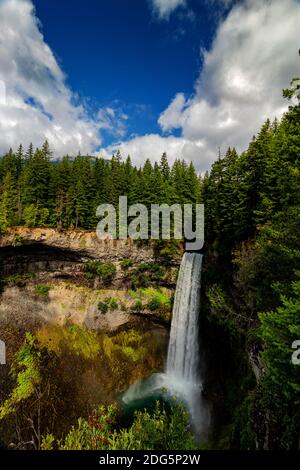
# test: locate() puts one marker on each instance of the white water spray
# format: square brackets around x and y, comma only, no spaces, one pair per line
[181,377]
[183,352]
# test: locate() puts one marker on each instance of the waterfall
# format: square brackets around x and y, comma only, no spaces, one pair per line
[181,377]
[183,352]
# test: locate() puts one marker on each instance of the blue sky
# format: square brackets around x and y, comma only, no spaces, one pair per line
[144,76]
[119,54]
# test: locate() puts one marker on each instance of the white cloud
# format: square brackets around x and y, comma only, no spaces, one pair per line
[171,117]
[164,8]
[112,120]
[152,146]
[253,56]
[38,104]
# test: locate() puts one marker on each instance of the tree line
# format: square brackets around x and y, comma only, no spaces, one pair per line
[252,282]
[36,190]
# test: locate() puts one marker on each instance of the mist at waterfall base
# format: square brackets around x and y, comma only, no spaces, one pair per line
[182,378]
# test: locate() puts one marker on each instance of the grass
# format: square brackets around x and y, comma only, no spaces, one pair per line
[42,290]
[158,301]
[18,280]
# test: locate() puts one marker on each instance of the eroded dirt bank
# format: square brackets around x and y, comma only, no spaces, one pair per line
[111,331]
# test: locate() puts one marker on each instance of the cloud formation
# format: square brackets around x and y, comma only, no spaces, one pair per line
[152,146]
[164,8]
[35,101]
[253,56]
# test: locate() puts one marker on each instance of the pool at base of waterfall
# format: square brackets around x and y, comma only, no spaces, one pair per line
[181,378]
[164,388]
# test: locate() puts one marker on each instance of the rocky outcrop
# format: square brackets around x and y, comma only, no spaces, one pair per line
[80,241]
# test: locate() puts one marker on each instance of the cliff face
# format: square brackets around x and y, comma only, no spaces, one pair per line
[50,287]
[37,260]
[84,242]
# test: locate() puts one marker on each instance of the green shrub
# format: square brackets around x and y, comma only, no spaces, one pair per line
[42,290]
[150,430]
[18,280]
[126,263]
[106,271]
[154,304]
[18,240]
[103,307]
[109,303]
[146,274]
[168,250]
[138,306]
[113,304]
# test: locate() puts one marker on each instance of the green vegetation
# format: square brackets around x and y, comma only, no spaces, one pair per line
[146,274]
[105,271]
[37,192]
[128,343]
[167,250]
[18,280]
[47,398]
[103,307]
[252,204]
[157,430]
[126,263]
[18,240]
[27,378]
[158,301]
[42,290]
[110,303]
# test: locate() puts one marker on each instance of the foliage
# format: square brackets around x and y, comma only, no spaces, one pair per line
[36,191]
[157,301]
[168,250]
[110,303]
[126,263]
[105,271]
[42,290]
[18,280]
[27,377]
[146,274]
[158,430]
[128,343]
[280,390]
[252,204]
[77,339]
[103,307]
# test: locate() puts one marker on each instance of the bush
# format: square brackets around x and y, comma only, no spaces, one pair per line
[150,430]
[106,271]
[110,303]
[146,274]
[18,280]
[18,240]
[126,263]
[103,307]
[113,304]
[154,304]
[138,306]
[42,290]
[167,251]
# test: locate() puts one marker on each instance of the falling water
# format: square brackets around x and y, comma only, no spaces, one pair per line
[181,377]
[183,352]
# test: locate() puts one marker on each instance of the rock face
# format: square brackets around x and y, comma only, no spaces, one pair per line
[91,326]
[83,242]
[30,258]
